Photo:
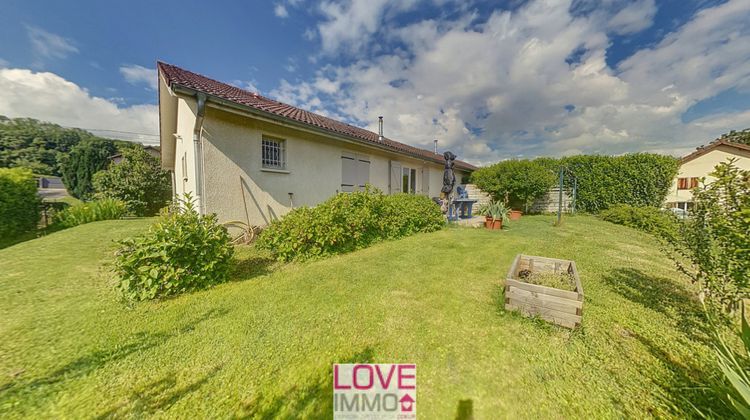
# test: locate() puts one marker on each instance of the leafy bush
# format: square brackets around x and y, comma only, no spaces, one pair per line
[407,214]
[640,179]
[349,221]
[520,182]
[649,219]
[183,251]
[84,160]
[713,246]
[92,211]
[137,180]
[19,203]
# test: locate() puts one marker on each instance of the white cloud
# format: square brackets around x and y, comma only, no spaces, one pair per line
[47,96]
[634,17]
[46,45]
[280,11]
[348,24]
[249,85]
[504,88]
[3,63]
[136,75]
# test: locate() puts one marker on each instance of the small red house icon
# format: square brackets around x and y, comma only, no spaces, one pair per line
[407,402]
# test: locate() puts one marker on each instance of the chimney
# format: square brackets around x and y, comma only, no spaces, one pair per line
[435,141]
[380,128]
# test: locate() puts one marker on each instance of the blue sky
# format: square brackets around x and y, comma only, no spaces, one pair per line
[490,80]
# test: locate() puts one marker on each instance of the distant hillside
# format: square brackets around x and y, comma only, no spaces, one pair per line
[37,144]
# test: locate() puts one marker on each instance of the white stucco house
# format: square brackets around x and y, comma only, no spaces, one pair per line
[700,164]
[247,157]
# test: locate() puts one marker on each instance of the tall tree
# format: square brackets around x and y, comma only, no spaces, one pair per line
[84,160]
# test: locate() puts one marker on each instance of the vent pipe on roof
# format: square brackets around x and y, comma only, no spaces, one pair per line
[380,128]
[435,141]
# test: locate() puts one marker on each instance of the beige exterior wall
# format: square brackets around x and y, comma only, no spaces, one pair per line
[702,166]
[236,185]
[185,160]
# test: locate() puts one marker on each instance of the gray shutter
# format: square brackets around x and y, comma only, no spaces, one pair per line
[348,172]
[363,171]
[396,177]
[426,180]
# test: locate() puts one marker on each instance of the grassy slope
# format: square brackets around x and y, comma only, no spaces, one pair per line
[264,346]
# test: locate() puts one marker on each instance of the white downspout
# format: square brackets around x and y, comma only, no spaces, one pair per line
[198,149]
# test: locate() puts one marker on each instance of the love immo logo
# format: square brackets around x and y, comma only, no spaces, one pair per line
[375,391]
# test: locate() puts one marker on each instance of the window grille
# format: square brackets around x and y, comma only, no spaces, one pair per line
[274,153]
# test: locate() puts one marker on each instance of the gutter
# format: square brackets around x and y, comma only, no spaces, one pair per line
[296,124]
[198,151]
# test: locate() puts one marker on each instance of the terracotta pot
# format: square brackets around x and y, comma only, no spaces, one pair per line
[515,214]
[497,224]
[488,222]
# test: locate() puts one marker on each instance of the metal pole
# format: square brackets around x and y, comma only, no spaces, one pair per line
[559,197]
[575,192]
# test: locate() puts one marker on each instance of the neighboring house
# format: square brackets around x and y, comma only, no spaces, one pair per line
[152,150]
[247,157]
[51,188]
[699,164]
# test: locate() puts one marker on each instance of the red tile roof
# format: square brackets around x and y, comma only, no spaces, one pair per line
[176,76]
[702,150]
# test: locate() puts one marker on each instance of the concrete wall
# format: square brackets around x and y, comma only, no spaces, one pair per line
[236,185]
[701,167]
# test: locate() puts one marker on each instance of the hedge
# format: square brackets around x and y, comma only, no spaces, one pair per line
[19,202]
[640,180]
[653,220]
[349,221]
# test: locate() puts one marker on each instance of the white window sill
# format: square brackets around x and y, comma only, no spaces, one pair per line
[275,171]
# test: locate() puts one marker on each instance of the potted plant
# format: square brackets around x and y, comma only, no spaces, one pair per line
[495,214]
[515,214]
[499,212]
[484,210]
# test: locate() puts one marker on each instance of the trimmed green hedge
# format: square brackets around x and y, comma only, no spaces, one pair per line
[640,179]
[349,221]
[19,202]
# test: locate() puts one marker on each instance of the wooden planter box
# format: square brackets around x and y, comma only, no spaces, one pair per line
[561,307]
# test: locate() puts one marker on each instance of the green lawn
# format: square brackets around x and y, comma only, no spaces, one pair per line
[263,345]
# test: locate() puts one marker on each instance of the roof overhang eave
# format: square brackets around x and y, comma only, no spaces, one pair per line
[245,109]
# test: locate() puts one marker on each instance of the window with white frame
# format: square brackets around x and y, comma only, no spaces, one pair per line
[274,153]
[409,180]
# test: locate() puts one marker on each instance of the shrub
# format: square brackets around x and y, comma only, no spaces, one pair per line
[713,246]
[183,251]
[137,180]
[19,203]
[349,221]
[92,211]
[520,182]
[649,219]
[407,214]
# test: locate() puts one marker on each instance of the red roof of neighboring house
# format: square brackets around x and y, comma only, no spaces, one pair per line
[702,150]
[176,76]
